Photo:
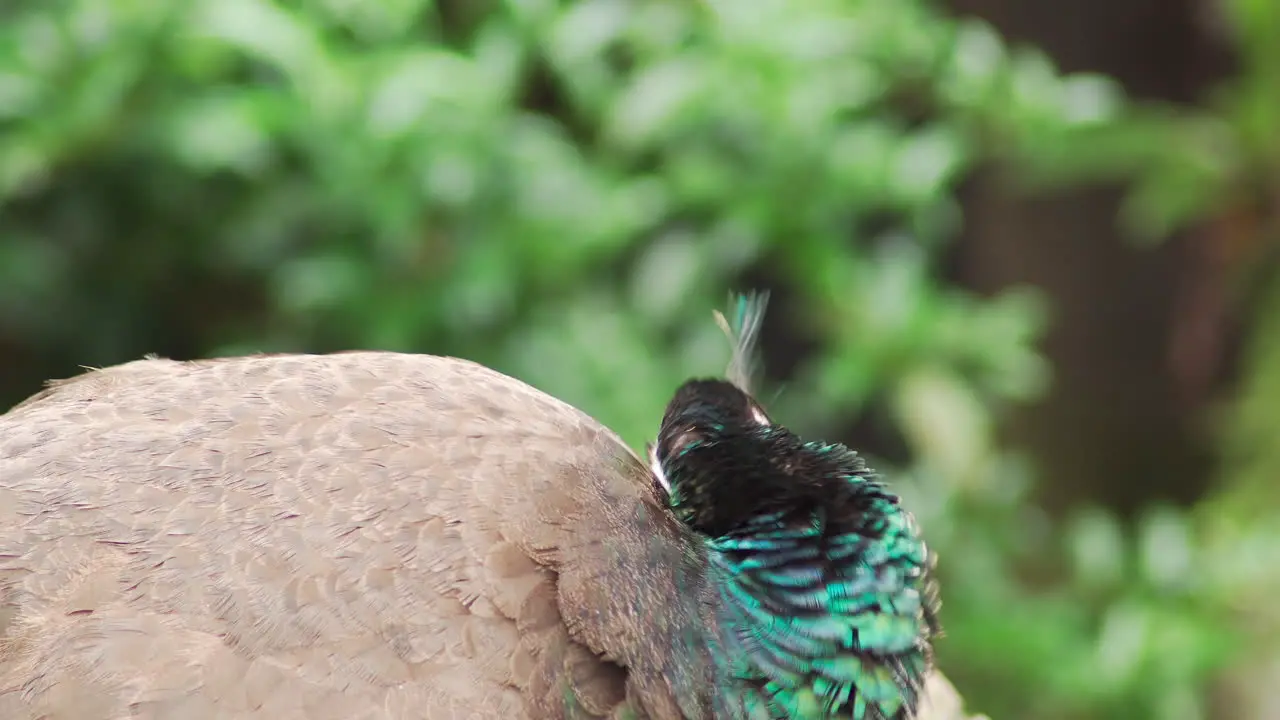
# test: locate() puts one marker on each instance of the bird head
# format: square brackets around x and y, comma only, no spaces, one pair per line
[822,578]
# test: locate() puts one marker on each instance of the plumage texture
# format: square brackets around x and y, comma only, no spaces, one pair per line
[351,536]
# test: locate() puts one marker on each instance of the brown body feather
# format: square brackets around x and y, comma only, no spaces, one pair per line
[346,537]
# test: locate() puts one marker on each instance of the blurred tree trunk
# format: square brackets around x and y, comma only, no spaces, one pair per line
[1116,426]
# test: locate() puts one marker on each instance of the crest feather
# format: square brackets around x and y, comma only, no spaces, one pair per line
[743,331]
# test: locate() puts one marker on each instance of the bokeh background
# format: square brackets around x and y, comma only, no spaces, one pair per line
[1021,252]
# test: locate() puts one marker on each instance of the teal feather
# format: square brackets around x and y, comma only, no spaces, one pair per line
[819,589]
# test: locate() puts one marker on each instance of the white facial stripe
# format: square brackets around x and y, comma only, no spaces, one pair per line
[759,415]
[656,468]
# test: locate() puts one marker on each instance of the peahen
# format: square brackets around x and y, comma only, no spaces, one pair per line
[372,535]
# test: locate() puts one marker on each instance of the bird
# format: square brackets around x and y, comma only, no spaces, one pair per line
[371,535]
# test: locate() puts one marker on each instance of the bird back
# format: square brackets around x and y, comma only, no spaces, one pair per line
[359,535]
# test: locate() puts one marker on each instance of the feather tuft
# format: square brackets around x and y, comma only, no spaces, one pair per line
[743,333]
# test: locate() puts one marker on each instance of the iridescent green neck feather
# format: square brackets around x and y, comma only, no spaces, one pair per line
[820,582]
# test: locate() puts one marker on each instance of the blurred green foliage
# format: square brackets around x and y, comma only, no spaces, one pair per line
[564,190]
